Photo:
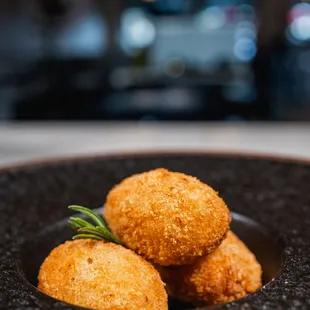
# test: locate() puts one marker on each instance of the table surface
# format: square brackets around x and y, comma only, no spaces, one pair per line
[20,142]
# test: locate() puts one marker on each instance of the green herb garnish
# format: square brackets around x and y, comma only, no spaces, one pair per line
[86,230]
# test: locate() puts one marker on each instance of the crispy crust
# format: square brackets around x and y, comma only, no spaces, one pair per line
[100,275]
[229,273]
[167,217]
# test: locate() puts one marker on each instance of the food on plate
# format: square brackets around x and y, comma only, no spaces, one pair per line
[167,217]
[177,223]
[228,273]
[101,275]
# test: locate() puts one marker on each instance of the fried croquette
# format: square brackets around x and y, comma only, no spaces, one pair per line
[100,275]
[167,217]
[230,272]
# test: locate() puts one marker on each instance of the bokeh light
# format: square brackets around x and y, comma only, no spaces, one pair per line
[298,30]
[211,18]
[245,49]
[137,30]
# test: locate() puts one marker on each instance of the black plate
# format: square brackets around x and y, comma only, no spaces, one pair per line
[274,193]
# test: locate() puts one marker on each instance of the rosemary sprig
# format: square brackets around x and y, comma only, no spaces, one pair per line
[86,230]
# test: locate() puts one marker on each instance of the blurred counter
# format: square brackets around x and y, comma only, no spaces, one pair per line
[21,142]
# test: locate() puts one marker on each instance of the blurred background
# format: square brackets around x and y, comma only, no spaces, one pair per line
[224,60]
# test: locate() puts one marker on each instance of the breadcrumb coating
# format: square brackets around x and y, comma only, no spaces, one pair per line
[167,217]
[100,275]
[230,272]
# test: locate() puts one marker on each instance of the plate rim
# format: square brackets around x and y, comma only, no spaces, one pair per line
[97,157]
[51,160]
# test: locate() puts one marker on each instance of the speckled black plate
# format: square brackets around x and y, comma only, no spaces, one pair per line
[272,192]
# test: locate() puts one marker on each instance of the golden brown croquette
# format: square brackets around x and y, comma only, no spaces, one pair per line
[228,273]
[167,217]
[100,275]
